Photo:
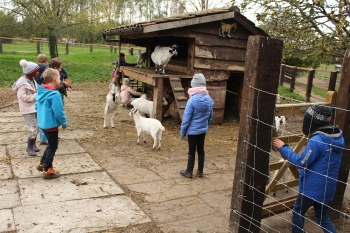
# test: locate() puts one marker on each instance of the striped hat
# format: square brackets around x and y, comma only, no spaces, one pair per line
[29,68]
[315,117]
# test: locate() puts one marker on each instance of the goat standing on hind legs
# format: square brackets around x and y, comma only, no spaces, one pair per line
[112,104]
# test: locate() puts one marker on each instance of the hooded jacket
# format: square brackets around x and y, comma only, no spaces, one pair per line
[319,163]
[197,116]
[50,111]
[26,91]
[126,92]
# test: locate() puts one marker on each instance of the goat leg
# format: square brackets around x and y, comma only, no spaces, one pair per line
[112,118]
[106,111]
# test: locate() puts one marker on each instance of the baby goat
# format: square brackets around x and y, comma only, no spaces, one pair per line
[145,106]
[149,126]
[280,122]
[110,104]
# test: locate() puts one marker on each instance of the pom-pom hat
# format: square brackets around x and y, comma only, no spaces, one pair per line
[29,68]
[198,80]
[316,116]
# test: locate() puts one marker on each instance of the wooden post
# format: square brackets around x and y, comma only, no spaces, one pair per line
[91,48]
[158,99]
[38,46]
[131,51]
[282,74]
[332,80]
[292,80]
[0,45]
[67,48]
[115,49]
[140,51]
[310,79]
[251,163]
[111,48]
[342,119]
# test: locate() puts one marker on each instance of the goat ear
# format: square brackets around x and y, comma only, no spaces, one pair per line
[171,51]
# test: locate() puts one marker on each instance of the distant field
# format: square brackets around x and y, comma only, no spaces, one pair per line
[81,65]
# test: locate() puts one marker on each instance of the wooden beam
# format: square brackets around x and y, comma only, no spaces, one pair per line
[249,185]
[278,207]
[158,99]
[343,120]
[222,53]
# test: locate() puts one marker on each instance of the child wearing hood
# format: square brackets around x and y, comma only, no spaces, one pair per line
[127,92]
[195,123]
[26,88]
[318,164]
[51,115]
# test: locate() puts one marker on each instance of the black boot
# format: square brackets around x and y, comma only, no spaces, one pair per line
[30,149]
[190,164]
[200,166]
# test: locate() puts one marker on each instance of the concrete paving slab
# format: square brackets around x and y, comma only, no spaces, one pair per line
[9,194]
[7,223]
[11,114]
[5,169]
[109,162]
[134,176]
[65,147]
[75,216]
[13,138]
[222,201]
[11,119]
[75,134]
[71,187]
[65,164]
[214,223]
[159,191]
[172,211]
[14,127]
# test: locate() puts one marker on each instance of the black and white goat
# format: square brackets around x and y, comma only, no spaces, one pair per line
[161,57]
[141,60]
[280,122]
[150,126]
[110,104]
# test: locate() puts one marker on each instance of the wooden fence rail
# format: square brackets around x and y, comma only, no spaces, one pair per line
[287,78]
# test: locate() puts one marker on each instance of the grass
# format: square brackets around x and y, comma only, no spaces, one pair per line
[291,96]
[81,65]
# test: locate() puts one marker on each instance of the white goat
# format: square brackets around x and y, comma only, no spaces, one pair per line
[141,60]
[149,126]
[145,106]
[280,122]
[161,57]
[110,104]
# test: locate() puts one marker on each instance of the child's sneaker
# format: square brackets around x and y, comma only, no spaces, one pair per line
[51,174]
[40,167]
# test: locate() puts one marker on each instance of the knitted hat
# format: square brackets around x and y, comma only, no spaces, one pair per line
[126,81]
[198,80]
[29,68]
[315,117]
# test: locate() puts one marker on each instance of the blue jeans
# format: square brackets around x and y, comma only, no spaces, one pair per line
[302,204]
[50,151]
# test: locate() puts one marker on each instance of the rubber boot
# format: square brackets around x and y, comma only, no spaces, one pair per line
[36,149]
[43,139]
[30,149]
[190,164]
[200,166]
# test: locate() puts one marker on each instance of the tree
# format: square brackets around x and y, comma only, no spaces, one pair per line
[310,29]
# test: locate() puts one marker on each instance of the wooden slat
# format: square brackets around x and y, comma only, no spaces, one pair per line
[211,64]
[179,89]
[179,95]
[278,207]
[290,138]
[222,53]
[282,186]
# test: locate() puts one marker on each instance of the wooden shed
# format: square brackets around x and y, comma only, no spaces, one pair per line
[202,49]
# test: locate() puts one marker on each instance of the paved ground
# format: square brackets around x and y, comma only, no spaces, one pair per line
[109,184]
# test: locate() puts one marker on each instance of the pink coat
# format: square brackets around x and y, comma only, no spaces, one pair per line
[126,93]
[26,91]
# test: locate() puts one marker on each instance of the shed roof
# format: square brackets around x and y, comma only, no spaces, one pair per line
[183,20]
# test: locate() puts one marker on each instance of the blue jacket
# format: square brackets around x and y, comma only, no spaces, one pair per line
[197,116]
[49,107]
[319,163]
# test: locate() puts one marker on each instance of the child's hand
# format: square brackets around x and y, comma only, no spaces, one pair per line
[277,143]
